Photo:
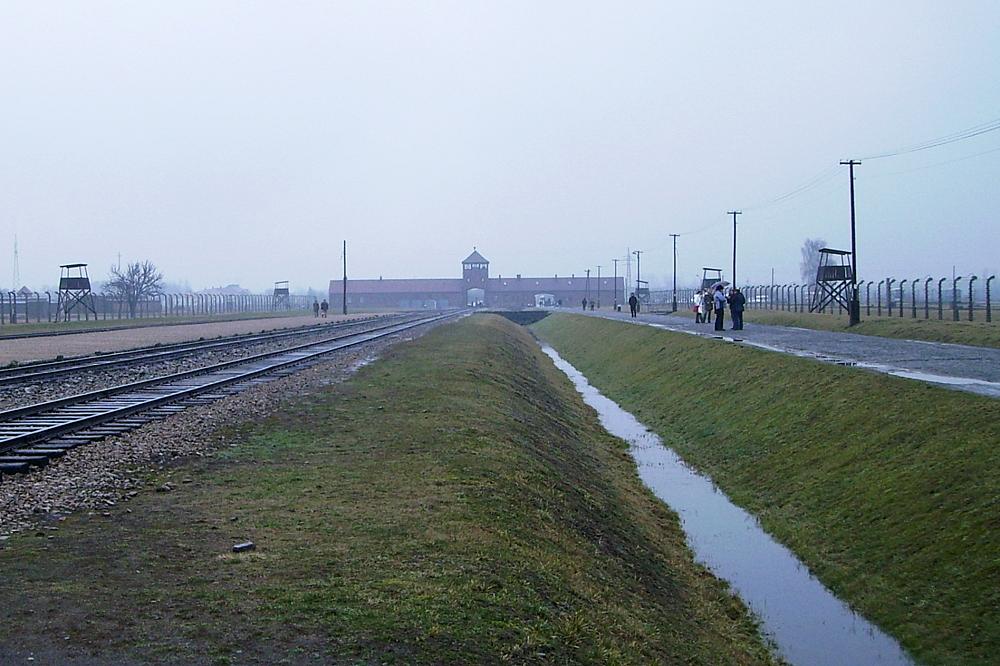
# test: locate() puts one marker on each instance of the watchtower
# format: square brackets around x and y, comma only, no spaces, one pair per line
[834,278]
[282,299]
[710,277]
[74,290]
[475,271]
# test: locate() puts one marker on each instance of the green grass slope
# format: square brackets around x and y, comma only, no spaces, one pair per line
[454,503]
[887,488]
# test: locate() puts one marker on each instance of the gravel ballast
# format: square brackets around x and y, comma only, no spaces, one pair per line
[105,473]
[32,392]
[83,344]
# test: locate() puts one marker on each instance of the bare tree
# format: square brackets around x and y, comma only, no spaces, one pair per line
[136,283]
[810,258]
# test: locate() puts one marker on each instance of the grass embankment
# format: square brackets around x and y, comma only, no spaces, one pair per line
[101,324]
[886,488]
[454,503]
[976,333]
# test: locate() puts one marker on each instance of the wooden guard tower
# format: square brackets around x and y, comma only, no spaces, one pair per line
[710,277]
[282,299]
[833,280]
[74,290]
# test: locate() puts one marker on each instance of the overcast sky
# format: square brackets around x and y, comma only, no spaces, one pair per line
[243,141]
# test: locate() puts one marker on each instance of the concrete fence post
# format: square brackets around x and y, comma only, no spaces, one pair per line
[972,303]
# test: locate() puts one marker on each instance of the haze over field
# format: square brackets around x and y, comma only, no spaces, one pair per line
[237,142]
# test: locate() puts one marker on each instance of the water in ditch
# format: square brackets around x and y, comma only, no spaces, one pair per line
[807,623]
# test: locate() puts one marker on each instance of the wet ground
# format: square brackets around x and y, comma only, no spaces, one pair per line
[973,369]
[807,623]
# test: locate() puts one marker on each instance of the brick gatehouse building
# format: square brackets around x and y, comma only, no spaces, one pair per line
[475,287]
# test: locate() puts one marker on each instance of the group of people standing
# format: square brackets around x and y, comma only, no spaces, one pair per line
[714,301]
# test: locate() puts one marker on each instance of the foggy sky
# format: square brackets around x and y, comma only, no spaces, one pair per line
[243,141]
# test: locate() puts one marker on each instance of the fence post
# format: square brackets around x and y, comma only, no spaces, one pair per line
[13,307]
[878,294]
[972,304]
[913,298]
[927,297]
[954,298]
[989,308]
[888,294]
[902,296]
[868,298]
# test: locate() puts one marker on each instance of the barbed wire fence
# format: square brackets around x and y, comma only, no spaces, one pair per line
[944,299]
[38,307]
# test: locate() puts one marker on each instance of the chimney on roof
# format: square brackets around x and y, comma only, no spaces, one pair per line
[518,276]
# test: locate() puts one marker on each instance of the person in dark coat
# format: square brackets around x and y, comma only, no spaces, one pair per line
[315,308]
[324,306]
[585,305]
[719,300]
[633,304]
[737,301]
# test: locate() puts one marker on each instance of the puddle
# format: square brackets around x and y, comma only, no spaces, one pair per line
[806,621]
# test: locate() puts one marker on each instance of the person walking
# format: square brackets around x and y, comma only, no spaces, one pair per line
[315,308]
[324,306]
[585,305]
[706,306]
[633,304]
[696,307]
[737,301]
[720,308]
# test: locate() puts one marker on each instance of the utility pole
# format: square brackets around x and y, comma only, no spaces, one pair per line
[588,285]
[734,213]
[628,270]
[614,287]
[673,301]
[855,312]
[598,286]
[344,299]
[638,265]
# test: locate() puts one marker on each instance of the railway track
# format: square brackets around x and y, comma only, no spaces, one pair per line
[46,369]
[32,435]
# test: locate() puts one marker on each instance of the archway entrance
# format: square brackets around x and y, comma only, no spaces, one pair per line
[475,297]
[544,300]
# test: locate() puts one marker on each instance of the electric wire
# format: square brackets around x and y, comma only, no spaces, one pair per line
[954,137]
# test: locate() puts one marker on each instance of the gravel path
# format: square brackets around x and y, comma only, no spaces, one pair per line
[961,367]
[84,344]
[116,469]
[28,393]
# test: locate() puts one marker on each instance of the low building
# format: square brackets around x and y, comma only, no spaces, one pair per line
[476,287]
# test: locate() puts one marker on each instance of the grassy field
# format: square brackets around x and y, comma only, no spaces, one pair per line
[454,503]
[887,488]
[978,333]
[84,326]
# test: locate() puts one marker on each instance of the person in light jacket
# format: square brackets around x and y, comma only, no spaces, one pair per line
[720,308]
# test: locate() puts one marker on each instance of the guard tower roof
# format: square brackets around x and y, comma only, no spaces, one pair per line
[475,258]
[71,265]
[830,250]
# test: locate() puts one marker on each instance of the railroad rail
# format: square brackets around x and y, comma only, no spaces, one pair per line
[32,435]
[45,369]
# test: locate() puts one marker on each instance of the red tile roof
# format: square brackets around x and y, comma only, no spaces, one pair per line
[404,286]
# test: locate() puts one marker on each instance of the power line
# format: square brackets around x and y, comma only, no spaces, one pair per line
[817,180]
[961,135]
[937,164]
